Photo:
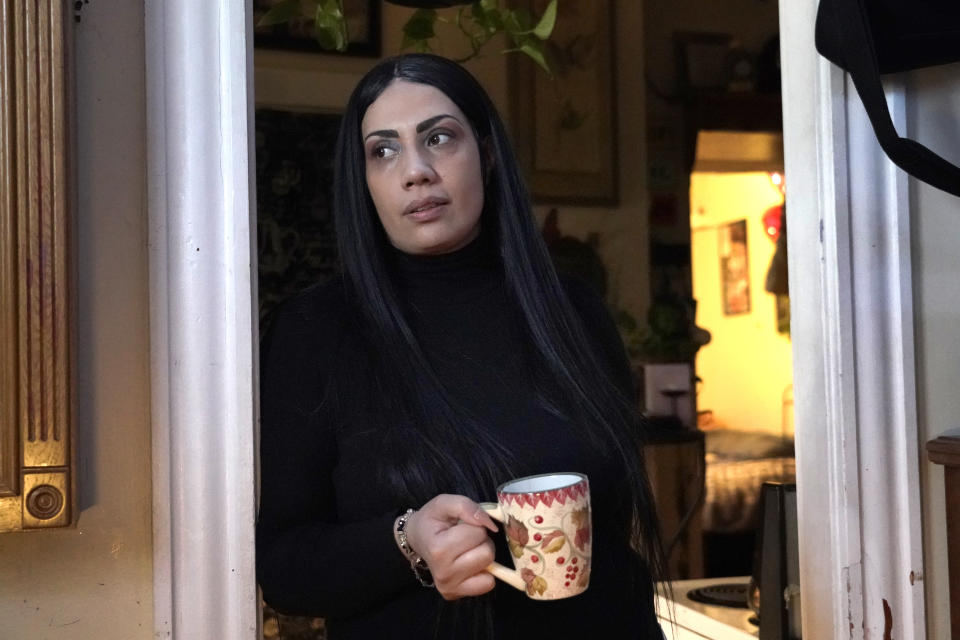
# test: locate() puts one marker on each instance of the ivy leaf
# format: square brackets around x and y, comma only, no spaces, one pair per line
[490,20]
[547,21]
[328,38]
[283,11]
[534,49]
[419,29]
[420,26]
[419,46]
[330,27]
[518,22]
[478,12]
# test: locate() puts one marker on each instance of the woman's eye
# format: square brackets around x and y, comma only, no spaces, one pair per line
[383,151]
[438,138]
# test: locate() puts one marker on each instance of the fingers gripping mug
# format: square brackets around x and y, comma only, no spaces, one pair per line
[546,520]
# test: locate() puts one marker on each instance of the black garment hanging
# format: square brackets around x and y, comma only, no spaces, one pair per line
[871,37]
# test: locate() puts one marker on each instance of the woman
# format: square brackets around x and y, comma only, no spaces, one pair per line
[448,359]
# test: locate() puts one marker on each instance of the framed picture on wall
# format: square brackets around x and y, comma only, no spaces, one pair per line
[565,127]
[734,268]
[363,30]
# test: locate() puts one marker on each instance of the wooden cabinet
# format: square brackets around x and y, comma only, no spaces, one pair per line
[675,467]
[945,450]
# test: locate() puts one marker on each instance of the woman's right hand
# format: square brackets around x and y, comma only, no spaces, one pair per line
[450,533]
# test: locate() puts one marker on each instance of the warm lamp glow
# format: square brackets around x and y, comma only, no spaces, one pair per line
[778,181]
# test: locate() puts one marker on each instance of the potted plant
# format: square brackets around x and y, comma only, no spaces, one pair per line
[478,20]
[662,353]
[669,335]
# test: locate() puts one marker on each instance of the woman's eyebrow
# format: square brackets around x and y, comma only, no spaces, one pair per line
[423,126]
[383,133]
[429,122]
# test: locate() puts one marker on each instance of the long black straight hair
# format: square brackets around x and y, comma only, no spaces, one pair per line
[449,437]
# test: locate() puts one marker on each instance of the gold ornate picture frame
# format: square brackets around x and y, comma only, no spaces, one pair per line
[37,467]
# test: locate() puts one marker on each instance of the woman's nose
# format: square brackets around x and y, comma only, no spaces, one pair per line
[418,171]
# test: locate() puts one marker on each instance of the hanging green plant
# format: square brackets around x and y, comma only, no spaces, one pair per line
[326,16]
[479,21]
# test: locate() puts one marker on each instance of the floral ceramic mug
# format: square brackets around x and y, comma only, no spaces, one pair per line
[546,519]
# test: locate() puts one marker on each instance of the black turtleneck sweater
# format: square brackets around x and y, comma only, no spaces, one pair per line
[325,544]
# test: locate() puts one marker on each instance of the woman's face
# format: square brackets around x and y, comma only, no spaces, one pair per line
[423,169]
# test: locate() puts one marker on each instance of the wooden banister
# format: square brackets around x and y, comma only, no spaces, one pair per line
[945,450]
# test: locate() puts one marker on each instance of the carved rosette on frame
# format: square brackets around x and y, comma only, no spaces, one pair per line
[36,409]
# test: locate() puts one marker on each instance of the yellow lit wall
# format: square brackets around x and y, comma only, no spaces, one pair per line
[747,365]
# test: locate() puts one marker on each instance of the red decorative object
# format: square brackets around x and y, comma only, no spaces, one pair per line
[773,221]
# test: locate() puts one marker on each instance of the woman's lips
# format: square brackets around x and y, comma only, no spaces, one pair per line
[426,209]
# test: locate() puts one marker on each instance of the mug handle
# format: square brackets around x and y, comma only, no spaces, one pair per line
[497,570]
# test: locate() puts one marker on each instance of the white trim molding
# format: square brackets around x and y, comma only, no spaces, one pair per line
[858,481]
[887,430]
[202,321]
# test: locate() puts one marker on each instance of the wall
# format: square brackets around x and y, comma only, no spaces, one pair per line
[747,365]
[95,581]
[751,23]
[323,82]
[933,102]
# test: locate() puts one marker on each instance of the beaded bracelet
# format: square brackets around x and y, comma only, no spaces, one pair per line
[418,564]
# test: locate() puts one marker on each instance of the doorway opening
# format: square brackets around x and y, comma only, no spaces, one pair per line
[718,252]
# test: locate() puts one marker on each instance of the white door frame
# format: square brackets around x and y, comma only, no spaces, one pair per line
[854,377]
[202,321]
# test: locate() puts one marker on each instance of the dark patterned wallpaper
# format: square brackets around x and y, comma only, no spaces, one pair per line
[295,236]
